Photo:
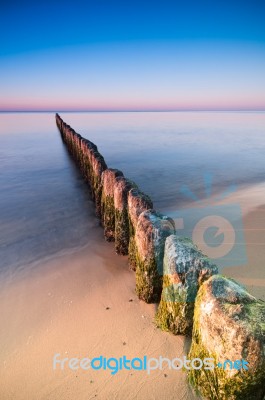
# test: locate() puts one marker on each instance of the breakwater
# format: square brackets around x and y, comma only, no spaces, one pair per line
[226,322]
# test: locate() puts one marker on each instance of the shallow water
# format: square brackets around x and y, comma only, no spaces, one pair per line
[45,207]
[163,151]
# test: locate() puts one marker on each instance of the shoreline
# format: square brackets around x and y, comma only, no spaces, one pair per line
[67,294]
[252,274]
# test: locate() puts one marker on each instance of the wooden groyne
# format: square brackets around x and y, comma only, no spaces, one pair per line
[226,322]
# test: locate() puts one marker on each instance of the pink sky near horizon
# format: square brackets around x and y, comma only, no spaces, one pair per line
[147,76]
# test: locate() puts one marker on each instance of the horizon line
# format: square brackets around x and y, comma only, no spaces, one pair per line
[135,110]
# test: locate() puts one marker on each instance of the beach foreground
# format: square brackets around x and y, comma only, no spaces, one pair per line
[79,305]
[83,305]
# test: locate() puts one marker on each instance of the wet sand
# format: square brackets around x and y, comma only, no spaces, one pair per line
[251,200]
[252,274]
[62,308]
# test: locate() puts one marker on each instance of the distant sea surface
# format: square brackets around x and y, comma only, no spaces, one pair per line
[45,207]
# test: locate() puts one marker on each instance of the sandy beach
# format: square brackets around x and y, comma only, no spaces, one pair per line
[83,304]
[64,310]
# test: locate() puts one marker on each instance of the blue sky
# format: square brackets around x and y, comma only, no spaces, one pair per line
[113,55]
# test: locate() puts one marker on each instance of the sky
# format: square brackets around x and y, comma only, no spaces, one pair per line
[132,55]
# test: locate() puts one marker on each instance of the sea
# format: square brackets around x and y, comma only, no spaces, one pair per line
[177,158]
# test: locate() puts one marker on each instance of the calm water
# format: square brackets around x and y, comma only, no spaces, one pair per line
[46,208]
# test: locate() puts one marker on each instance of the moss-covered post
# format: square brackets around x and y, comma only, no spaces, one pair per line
[137,203]
[98,166]
[88,149]
[229,327]
[185,268]
[78,154]
[107,202]
[122,186]
[151,232]
[69,138]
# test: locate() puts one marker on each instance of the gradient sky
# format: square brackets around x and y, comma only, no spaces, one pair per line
[132,55]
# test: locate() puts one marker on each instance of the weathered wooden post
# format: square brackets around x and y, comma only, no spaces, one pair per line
[185,268]
[122,186]
[151,232]
[228,328]
[107,202]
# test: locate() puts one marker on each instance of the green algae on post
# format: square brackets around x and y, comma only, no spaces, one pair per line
[122,186]
[185,268]
[229,324]
[107,202]
[151,232]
